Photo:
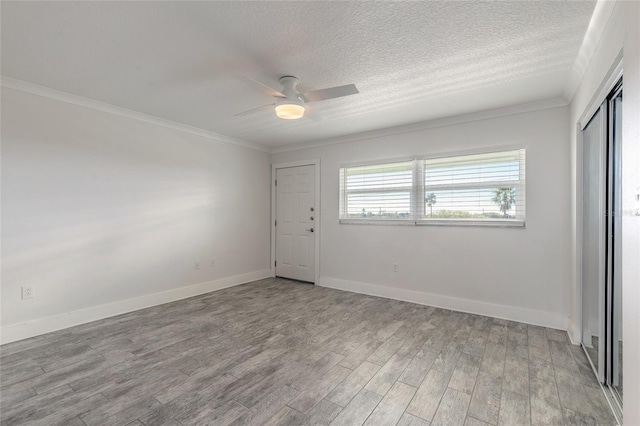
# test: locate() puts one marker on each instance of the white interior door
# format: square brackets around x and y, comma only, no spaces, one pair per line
[295,223]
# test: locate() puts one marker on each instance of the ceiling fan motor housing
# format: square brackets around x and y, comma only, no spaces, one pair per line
[290,107]
[289,84]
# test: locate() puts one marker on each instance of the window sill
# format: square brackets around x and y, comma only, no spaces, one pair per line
[495,223]
[405,222]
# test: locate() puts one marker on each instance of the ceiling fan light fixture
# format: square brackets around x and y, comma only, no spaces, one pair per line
[289,111]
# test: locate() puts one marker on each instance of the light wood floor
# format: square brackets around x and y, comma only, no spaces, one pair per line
[280,352]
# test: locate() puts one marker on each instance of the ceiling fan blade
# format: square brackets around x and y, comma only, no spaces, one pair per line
[264,88]
[251,111]
[330,93]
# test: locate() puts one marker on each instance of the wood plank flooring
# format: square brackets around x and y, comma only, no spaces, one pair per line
[276,352]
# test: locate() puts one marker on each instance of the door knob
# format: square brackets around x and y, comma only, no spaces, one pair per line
[310,229]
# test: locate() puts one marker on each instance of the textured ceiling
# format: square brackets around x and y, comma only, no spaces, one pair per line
[411,61]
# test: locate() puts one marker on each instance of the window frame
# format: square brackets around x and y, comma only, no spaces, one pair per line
[417,216]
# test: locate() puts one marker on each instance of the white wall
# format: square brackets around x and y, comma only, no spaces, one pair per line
[621,33]
[521,274]
[98,209]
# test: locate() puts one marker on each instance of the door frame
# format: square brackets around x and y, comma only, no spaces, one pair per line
[612,76]
[274,168]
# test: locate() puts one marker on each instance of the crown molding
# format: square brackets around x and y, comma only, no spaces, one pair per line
[34,89]
[23,86]
[424,125]
[601,15]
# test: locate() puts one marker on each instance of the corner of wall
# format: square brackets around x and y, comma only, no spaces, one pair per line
[574,332]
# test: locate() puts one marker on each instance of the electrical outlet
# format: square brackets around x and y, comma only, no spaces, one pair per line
[396,268]
[27,292]
[196,266]
[213,263]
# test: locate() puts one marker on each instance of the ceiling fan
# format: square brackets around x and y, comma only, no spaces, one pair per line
[290,104]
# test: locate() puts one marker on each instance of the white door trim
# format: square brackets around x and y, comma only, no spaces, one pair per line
[274,167]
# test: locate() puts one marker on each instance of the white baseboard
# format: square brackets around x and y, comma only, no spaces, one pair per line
[14,332]
[529,316]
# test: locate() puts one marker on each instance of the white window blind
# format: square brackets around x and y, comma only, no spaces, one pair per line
[478,186]
[381,191]
[485,188]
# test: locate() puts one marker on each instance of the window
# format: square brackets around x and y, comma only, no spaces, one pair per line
[475,189]
[381,191]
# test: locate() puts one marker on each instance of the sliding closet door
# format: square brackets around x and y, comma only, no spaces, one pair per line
[614,275]
[593,239]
